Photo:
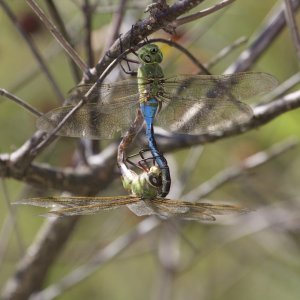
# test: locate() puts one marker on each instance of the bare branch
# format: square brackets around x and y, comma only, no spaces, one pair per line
[262,39]
[226,51]
[20,102]
[56,16]
[280,90]
[30,43]
[292,25]
[32,269]
[249,163]
[202,13]
[87,12]
[141,30]
[117,21]
[58,36]
[105,255]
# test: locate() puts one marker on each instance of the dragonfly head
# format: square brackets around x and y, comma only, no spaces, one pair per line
[150,54]
[154,176]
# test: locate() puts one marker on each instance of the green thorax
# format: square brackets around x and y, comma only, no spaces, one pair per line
[150,72]
[145,185]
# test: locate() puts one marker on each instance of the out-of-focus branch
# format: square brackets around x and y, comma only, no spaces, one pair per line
[20,102]
[292,25]
[225,51]
[61,25]
[31,270]
[80,181]
[87,9]
[280,90]
[248,164]
[116,22]
[202,13]
[58,36]
[105,255]
[35,52]
[262,39]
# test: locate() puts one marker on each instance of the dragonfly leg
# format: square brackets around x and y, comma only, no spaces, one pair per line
[143,163]
[152,157]
[128,72]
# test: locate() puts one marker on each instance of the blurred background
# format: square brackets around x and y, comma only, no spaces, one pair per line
[253,256]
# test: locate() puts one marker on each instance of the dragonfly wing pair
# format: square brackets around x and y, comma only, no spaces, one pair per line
[194,104]
[71,206]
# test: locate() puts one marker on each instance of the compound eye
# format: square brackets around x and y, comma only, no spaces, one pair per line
[155,180]
[153,50]
[147,58]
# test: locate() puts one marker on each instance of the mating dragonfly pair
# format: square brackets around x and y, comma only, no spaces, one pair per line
[189,104]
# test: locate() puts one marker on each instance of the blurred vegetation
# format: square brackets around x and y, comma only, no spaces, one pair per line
[231,262]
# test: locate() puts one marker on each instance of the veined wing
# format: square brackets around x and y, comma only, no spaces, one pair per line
[187,115]
[209,103]
[236,86]
[109,92]
[92,120]
[73,205]
[199,211]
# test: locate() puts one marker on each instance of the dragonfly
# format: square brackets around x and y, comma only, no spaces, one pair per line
[189,104]
[143,199]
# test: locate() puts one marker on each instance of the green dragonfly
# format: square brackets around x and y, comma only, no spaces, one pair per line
[190,104]
[143,200]
[144,192]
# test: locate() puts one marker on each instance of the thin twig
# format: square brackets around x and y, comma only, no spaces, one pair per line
[169,260]
[87,13]
[30,43]
[116,22]
[202,13]
[292,25]
[58,36]
[226,51]
[249,163]
[141,30]
[282,88]
[5,234]
[12,216]
[61,25]
[20,102]
[182,49]
[262,39]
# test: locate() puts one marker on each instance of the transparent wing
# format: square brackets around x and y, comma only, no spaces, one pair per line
[199,211]
[186,115]
[92,120]
[71,206]
[208,103]
[109,92]
[236,86]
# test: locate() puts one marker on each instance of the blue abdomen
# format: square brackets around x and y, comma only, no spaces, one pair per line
[149,110]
